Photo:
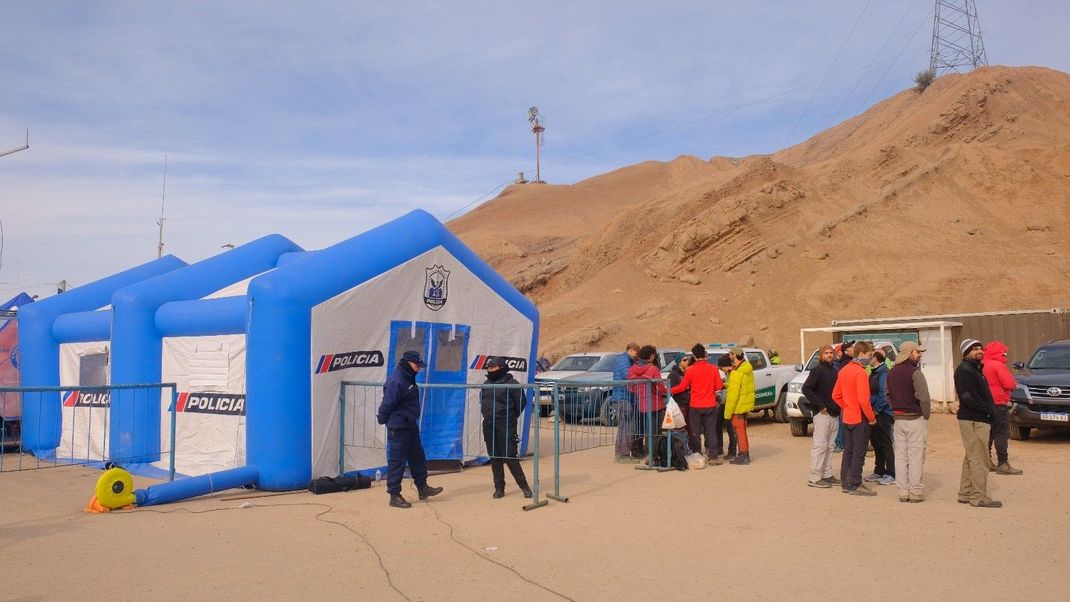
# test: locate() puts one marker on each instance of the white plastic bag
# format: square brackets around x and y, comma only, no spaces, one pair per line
[674,418]
[695,461]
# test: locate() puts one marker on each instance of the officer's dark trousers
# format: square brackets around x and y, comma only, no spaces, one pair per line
[502,441]
[403,447]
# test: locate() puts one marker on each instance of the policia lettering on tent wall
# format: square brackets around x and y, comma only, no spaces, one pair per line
[436,287]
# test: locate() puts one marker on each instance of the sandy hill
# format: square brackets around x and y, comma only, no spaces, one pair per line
[952,199]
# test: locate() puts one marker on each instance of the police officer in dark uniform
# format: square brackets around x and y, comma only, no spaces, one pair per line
[501,407]
[400,412]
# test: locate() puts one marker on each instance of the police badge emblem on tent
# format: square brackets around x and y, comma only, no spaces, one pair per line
[436,287]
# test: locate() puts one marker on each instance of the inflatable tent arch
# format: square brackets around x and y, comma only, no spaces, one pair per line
[76,316]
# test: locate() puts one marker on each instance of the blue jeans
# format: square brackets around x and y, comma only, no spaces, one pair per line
[403,447]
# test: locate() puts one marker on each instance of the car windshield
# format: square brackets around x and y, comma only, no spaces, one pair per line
[813,360]
[1057,358]
[605,364]
[576,363]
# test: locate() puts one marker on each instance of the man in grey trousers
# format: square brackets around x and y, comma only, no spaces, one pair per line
[908,393]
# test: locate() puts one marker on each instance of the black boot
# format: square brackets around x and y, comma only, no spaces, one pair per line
[396,501]
[526,491]
[429,491]
[498,494]
[741,458]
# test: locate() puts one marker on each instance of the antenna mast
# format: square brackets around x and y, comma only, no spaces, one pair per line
[536,128]
[956,38]
[163,199]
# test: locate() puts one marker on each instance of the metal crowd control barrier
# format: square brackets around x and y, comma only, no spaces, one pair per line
[452,426]
[589,415]
[84,428]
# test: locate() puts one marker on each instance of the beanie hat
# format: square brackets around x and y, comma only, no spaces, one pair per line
[968,344]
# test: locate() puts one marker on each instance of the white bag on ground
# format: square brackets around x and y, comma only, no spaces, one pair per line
[674,418]
[696,461]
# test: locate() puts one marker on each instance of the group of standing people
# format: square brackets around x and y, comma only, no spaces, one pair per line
[857,394]
[710,406]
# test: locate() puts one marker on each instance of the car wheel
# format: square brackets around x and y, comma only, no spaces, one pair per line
[780,412]
[800,427]
[1020,433]
[608,413]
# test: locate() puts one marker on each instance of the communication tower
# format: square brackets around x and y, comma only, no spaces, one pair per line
[957,39]
[536,128]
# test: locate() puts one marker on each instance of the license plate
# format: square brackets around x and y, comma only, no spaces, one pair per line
[1055,417]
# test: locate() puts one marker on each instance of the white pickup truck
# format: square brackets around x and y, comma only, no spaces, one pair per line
[770,382]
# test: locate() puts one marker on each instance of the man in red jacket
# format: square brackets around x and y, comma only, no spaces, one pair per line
[704,380]
[851,393]
[1001,382]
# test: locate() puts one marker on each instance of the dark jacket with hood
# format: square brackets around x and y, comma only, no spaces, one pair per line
[975,398]
[676,375]
[501,405]
[818,388]
[878,390]
[400,408]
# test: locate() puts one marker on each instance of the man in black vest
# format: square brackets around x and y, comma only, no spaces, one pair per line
[501,407]
[975,422]
[908,393]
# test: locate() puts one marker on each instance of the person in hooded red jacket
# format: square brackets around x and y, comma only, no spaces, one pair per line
[649,395]
[1001,382]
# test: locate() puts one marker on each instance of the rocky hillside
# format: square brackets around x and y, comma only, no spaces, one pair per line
[952,199]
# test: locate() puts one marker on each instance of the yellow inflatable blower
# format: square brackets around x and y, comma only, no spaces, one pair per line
[115,490]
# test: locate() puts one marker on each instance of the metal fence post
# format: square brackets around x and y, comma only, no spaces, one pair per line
[174,412]
[556,495]
[342,428]
[535,502]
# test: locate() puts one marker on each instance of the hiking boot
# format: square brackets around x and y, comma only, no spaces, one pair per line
[429,491]
[916,498]
[396,501]
[904,498]
[1006,468]
[832,481]
[715,461]
[964,500]
[987,503]
[741,459]
[498,494]
[862,490]
[886,480]
[731,455]
[820,484]
[527,492]
[871,477]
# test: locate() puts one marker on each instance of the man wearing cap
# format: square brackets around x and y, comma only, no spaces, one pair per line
[628,442]
[501,407]
[400,412]
[908,393]
[975,419]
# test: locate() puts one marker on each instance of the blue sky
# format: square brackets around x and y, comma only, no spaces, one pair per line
[319,120]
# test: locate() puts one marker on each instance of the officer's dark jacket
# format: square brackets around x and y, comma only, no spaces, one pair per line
[500,404]
[401,400]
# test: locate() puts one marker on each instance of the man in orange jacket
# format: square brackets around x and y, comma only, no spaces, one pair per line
[851,393]
[704,381]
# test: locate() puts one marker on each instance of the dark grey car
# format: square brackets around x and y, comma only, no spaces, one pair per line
[1042,397]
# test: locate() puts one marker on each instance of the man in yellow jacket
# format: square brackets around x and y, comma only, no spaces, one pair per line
[739,401]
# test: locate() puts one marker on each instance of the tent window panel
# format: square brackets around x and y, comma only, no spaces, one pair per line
[93,370]
[411,339]
[209,367]
[449,354]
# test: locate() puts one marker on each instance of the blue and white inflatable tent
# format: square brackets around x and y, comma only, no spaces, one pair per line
[258,340]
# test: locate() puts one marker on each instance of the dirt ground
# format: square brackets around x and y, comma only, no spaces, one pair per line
[733,532]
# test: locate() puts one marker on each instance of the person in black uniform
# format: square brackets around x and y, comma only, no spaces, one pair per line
[501,407]
[400,412]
